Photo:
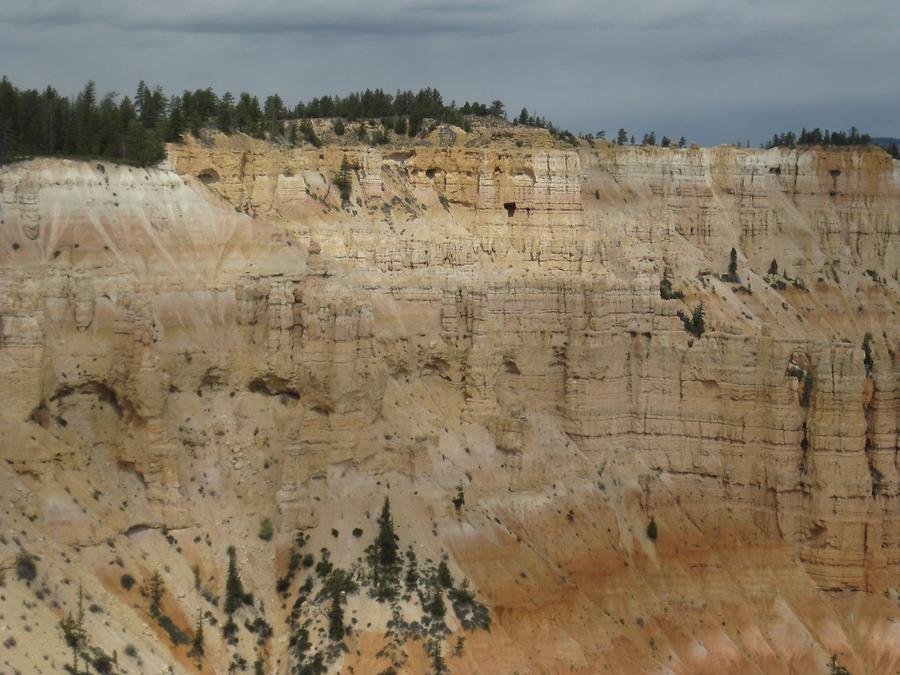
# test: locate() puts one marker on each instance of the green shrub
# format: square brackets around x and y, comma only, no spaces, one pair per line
[837,668]
[103,664]
[176,635]
[127,581]
[339,127]
[229,630]
[652,531]
[266,530]
[868,361]
[460,500]
[665,287]
[309,134]
[411,579]
[380,137]
[324,566]
[26,567]
[807,389]
[435,605]
[696,323]
[343,180]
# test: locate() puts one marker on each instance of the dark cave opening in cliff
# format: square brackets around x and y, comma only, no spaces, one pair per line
[510,209]
[208,176]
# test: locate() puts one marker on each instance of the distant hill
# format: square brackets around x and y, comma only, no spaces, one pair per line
[886,141]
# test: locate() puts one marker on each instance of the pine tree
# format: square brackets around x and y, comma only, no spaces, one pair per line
[176,126]
[336,619]
[732,268]
[234,589]
[309,134]
[698,320]
[436,606]
[141,97]
[387,538]
[155,589]
[383,557]
[773,267]
[622,137]
[274,108]
[444,578]
[343,181]
[433,650]
[86,120]
[225,112]
[73,630]
[198,648]
[412,570]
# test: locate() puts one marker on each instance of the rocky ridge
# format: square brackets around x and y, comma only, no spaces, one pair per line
[221,341]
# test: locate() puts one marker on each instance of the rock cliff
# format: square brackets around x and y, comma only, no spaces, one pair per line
[494,319]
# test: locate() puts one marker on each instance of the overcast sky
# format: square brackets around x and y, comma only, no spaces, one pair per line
[713,70]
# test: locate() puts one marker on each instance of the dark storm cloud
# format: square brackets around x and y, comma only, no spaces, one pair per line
[714,70]
[277,16]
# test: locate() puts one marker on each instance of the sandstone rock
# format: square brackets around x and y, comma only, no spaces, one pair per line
[224,342]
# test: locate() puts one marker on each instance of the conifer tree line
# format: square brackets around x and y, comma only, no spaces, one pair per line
[817,137]
[133,130]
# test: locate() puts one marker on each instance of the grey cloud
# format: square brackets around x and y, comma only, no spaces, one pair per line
[714,70]
[350,17]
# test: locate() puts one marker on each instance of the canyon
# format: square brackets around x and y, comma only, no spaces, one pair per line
[493,332]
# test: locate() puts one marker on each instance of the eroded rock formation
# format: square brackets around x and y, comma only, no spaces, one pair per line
[187,351]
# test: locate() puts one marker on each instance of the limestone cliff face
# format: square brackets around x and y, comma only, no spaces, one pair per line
[224,340]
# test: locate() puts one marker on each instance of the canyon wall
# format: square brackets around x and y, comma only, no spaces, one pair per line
[222,340]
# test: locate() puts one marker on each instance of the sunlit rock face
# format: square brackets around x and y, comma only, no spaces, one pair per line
[189,350]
